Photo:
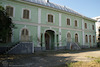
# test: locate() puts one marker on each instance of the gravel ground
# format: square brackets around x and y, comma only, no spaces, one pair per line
[53,58]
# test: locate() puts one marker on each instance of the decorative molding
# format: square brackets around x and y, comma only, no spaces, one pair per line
[45,25]
[29,13]
[39,15]
[50,14]
[25,27]
[60,19]
[59,36]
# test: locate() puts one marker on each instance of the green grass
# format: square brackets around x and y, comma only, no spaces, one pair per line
[94,63]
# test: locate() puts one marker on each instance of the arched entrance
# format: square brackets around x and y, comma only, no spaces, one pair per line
[49,40]
[24,35]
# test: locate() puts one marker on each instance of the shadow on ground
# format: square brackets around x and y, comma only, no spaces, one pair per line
[44,59]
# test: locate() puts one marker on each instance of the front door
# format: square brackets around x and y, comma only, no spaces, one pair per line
[24,35]
[47,41]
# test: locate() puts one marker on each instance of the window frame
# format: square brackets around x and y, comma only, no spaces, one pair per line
[85,25]
[29,13]
[13,9]
[67,20]
[53,17]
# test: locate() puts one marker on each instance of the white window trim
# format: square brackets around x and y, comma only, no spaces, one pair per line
[53,17]
[13,9]
[70,21]
[25,27]
[29,13]
[70,34]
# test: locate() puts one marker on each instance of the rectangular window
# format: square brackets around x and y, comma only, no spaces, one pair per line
[68,21]
[9,10]
[26,14]
[50,18]
[85,25]
[92,27]
[75,23]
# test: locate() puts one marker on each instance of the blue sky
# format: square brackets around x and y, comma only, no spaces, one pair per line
[89,8]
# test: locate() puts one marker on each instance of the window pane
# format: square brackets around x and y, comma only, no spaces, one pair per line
[50,18]
[26,14]
[75,22]
[68,21]
[9,10]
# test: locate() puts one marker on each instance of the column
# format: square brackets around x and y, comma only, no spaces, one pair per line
[83,31]
[55,42]
[43,41]
[60,29]
[39,27]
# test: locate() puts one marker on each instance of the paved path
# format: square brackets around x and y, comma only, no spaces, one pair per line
[55,58]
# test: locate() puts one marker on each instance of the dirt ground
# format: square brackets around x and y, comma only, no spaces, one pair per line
[54,58]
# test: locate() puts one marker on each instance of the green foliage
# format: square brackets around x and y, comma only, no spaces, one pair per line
[6,25]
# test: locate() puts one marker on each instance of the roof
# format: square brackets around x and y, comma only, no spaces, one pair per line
[59,7]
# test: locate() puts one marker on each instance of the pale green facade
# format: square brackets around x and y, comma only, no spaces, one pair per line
[37,24]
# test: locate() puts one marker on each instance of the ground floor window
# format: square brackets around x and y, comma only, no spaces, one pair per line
[76,38]
[86,38]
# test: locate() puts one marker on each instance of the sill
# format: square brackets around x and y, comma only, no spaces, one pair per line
[26,19]
[50,22]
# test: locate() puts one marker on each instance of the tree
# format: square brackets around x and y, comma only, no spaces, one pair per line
[6,25]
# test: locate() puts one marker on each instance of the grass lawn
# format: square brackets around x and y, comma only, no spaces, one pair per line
[94,63]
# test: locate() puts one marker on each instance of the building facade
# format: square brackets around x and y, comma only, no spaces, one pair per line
[49,26]
[97,28]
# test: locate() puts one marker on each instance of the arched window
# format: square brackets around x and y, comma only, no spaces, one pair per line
[93,39]
[68,37]
[86,38]
[26,14]
[50,18]
[25,32]
[9,10]
[76,38]
[90,38]
[85,25]
[68,21]
[75,23]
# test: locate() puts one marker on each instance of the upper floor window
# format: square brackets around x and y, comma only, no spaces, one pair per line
[26,14]
[9,10]
[75,23]
[86,38]
[50,18]
[85,25]
[92,27]
[68,21]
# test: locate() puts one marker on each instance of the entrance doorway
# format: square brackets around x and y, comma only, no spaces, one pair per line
[49,40]
[24,35]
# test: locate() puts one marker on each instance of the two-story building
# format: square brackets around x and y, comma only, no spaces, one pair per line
[49,25]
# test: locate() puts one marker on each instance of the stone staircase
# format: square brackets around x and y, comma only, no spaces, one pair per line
[22,48]
[72,46]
